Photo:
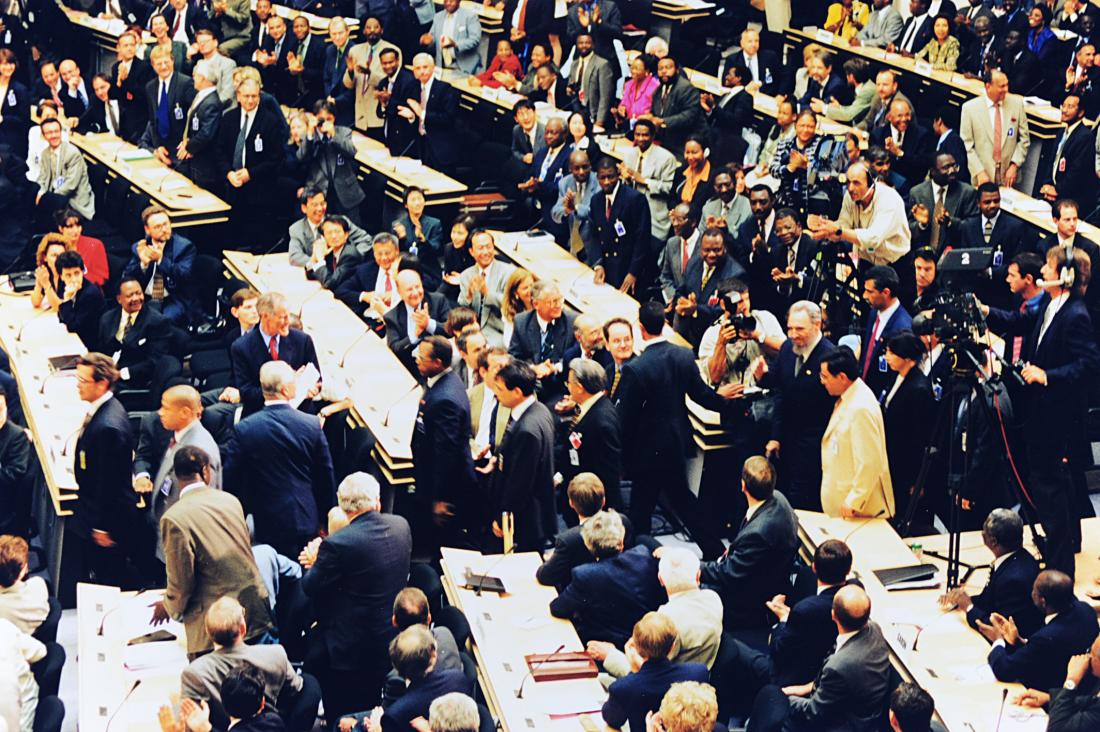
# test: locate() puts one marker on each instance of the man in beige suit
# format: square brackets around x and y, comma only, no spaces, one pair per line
[855,475]
[207,555]
[994,130]
[365,73]
[483,404]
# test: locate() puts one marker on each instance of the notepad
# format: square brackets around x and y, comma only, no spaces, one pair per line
[896,578]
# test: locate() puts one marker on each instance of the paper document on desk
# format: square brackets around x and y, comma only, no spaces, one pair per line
[146,656]
[304,380]
[981,674]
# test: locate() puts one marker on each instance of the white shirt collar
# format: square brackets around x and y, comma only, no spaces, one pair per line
[93,407]
[885,315]
[433,380]
[204,93]
[192,487]
[276,403]
[843,638]
[519,409]
[996,563]
[544,325]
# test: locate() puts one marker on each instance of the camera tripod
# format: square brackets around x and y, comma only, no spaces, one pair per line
[835,281]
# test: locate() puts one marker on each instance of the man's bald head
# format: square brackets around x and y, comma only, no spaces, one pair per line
[851,608]
[410,288]
[180,407]
[183,395]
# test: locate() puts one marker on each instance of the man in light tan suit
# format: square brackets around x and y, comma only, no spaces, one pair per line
[855,474]
[483,403]
[208,555]
[365,73]
[991,159]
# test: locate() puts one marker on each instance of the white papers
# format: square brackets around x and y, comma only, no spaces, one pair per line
[306,378]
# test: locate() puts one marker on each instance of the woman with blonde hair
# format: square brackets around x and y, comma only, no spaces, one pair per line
[517,299]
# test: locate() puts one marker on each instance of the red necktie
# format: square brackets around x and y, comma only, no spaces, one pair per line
[522,16]
[389,283]
[607,207]
[683,255]
[870,349]
[175,25]
[1018,341]
[274,348]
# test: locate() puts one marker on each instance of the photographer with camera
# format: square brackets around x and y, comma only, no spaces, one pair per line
[1060,359]
[735,346]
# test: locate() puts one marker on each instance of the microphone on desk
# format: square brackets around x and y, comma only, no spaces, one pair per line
[531,672]
[51,375]
[302,307]
[122,703]
[480,584]
[19,335]
[354,343]
[103,620]
[386,421]
[1001,713]
[269,250]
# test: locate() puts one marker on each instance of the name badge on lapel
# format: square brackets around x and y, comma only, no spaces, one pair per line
[620,230]
[12,101]
[1011,132]
[882,366]
[195,124]
[998,258]
[166,487]
[83,460]
[339,159]
[259,144]
[179,112]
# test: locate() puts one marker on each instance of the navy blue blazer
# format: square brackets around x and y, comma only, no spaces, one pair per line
[428,250]
[81,314]
[278,464]
[420,695]
[101,466]
[524,481]
[620,254]
[546,190]
[834,86]
[605,598]
[878,376]
[707,304]
[440,142]
[602,356]
[632,697]
[799,646]
[397,328]
[570,552]
[250,352]
[176,267]
[440,444]
[1041,662]
[336,65]
[526,345]
[600,437]
[1009,593]
[361,280]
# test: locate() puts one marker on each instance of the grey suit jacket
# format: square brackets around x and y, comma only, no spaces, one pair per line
[739,212]
[581,206]
[467,38]
[521,144]
[166,488]
[203,677]
[659,170]
[868,121]
[302,237]
[64,172]
[961,202]
[976,130]
[332,160]
[883,27]
[598,85]
[487,308]
[223,78]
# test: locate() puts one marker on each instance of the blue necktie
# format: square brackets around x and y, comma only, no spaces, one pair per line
[163,125]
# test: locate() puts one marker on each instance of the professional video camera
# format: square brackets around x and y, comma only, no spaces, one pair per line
[954,316]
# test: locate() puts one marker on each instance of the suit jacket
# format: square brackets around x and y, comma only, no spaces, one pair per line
[659,169]
[582,205]
[600,451]
[777,297]
[725,125]
[397,328]
[427,248]
[707,307]
[907,420]
[854,467]
[605,33]
[1024,71]
[203,677]
[1077,710]
[756,566]
[917,145]
[302,235]
[538,19]
[101,466]
[605,598]
[977,134]
[166,488]
[680,111]
[418,698]
[15,462]
[263,149]
[466,37]
[476,395]
[71,100]
[81,314]
[570,552]
[875,376]
[358,573]
[1010,236]
[876,115]
[953,144]
[192,20]
[362,279]
[64,172]
[487,307]
[364,82]
[975,57]
[399,134]
[1041,662]
[651,405]
[522,145]
[332,85]
[546,191]
[597,84]
[524,481]
[180,94]
[278,461]
[277,78]
[176,267]
[961,203]
[308,83]
[770,71]
[851,690]
[233,26]
[440,140]
[250,352]
[527,345]
[883,27]
[331,167]
[207,556]
[922,36]
[147,340]
[671,277]
[331,274]
[799,647]
[1008,592]
[622,253]
[441,450]
[632,697]
[202,123]
[94,118]
[1073,173]
[133,112]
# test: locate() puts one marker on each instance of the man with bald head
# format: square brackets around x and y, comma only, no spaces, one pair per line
[852,688]
[75,94]
[994,130]
[417,316]
[571,210]
[546,170]
[432,116]
[909,143]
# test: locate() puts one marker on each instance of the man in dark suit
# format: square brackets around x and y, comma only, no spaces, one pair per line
[1064,211]
[1075,706]
[168,96]
[329,155]
[16,495]
[1039,661]
[183,16]
[765,69]
[1020,65]
[336,66]
[606,597]
[418,315]
[728,115]
[981,49]
[140,337]
[104,112]
[197,153]
[272,60]
[802,407]
[782,267]
[887,316]
[278,462]
[258,33]
[654,418]
[945,129]
[1061,356]
[353,577]
[524,481]
[82,301]
[100,533]
[336,259]
[306,65]
[697,305]
[851,691]
[1004,233]
[77,94]
[129,75]
[1069,169]
[414,654]
[528,134]
[394,89]
[917,30]
[755,567]
[908,142]
[588,342]
[162,263]
[271,340]
[600,19]
[676,110]
[541,336]
[619,250]
[590,437]
[550,87]
[1013,18]
[433,113]
[532,26]
[546,169]
[1011,577]
[446,487]
[939,205]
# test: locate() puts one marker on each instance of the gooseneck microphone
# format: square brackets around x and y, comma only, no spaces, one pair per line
[531,673]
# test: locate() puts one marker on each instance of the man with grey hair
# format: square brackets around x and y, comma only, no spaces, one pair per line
[432,116]
[802,406]
[592,439]
[873,219]
[605,598]
[589,345]
[541,336]
[196,152]
[1011,577]
[696,613]
[278,461]
[454,712]
[353,577]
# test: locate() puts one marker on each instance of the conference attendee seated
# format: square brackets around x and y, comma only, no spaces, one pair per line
[163,264]
[606,597]
[82,302]
[139,337]
[587,498]
[244,699]
[24,601]
[295,697]
[1011,577]
[334,258]
[20,704]
[1072,707]
[214,367]
[371,290]
[62,178]
[410,608]
[1039,661]
[639,693]
[418,315]
[481,286]
[911,709]
[688,706]
[755,567]
[305,233]
[852,688]
[70,225]
[695,613]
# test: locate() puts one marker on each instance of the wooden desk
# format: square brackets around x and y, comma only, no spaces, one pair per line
[384,394]
[669,15]
[187,204]
[951,658]
[109,669]
[504,629]
[104,36]
[401,173]
[1037,213]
